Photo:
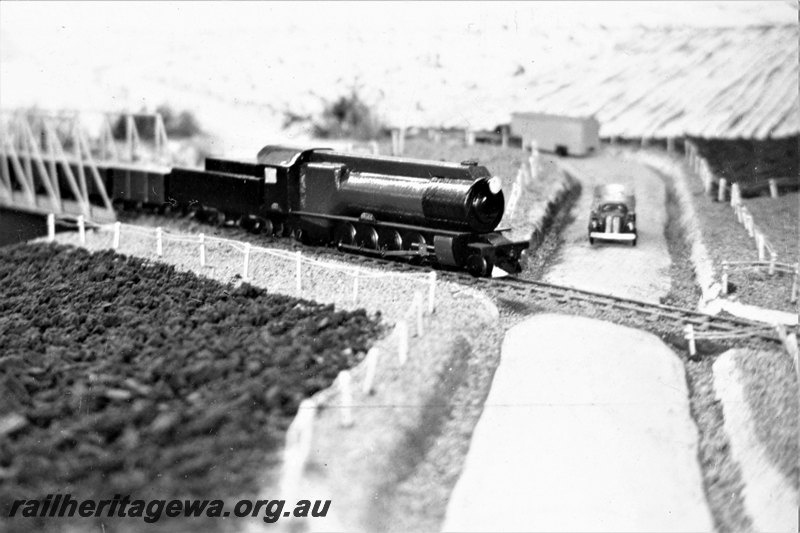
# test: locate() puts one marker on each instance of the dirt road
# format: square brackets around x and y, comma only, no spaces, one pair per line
[618,268]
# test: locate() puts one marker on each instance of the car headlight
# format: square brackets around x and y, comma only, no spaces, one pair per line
[594,223]
[630,226]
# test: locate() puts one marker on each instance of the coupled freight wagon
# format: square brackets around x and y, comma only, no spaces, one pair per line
[559,134]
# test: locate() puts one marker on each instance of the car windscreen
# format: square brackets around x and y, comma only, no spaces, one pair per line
[611,207]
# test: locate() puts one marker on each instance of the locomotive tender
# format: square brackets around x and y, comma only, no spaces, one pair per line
[421,211]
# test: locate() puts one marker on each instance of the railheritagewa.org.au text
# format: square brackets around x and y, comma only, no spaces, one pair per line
[153,510]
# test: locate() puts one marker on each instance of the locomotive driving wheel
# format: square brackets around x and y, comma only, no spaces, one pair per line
[345,234]
[278,228]
[391,241]
[367,237]
[262,225]
[299,235]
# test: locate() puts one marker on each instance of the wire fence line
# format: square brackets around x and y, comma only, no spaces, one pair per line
[702,168]
[160,235]
[707,273]
[743,216]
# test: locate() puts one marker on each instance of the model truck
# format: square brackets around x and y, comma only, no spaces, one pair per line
[613,216]
[562,135]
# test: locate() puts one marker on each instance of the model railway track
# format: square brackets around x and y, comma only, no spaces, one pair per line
[673,318]
[677,317]
[529,291]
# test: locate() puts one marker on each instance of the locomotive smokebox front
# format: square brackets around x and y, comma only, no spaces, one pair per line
[448,203]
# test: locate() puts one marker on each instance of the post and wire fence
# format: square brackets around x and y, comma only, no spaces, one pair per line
[765,250]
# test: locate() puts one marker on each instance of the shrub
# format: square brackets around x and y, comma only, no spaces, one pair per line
[346,117]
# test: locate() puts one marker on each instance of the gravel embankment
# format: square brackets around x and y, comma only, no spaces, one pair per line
[121,376]
[772,393]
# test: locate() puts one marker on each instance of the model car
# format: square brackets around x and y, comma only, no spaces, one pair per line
[613,216]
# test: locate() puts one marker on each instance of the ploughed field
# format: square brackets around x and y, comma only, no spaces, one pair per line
[119,376]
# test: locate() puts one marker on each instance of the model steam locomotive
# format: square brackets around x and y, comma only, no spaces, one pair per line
[423,211]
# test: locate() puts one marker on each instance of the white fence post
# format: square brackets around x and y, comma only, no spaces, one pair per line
[418,310]
[533,160]
[298,273]
[81,229]
[793,295]
[790,344]
[346,393]
[736,194]
[202,250]
[431,292]
[723,184]
[724,278]
[159,242]
[689,330]
[246,268]
[355,286]
[51,227]
[705,174]
[773,188]
[402,341]
[760,245]
[773,258]
[298,446]
[395,141]
[368,386]
[115,241]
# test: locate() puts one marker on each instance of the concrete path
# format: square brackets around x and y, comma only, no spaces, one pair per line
[617,268]
[586,428]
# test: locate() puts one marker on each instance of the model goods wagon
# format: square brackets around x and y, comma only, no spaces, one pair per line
[559,134]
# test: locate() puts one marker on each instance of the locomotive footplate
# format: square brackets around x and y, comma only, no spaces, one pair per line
[478,252]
